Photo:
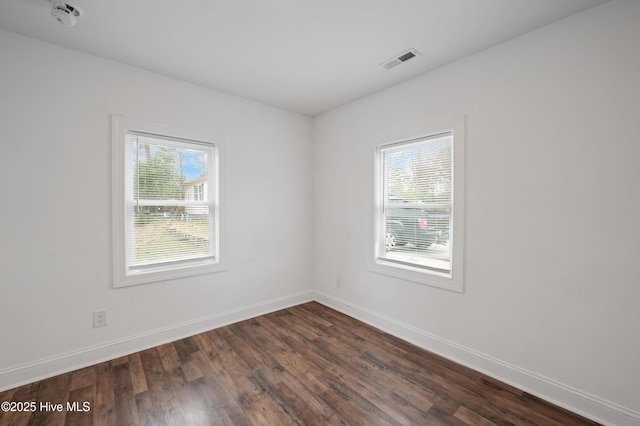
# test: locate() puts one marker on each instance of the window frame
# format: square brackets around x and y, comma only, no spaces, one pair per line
[452,280]
[123,275]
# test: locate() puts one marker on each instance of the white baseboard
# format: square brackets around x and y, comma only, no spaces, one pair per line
[575,400]
[70,361]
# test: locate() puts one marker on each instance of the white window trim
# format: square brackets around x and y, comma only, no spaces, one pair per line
[455,280]
[121,278]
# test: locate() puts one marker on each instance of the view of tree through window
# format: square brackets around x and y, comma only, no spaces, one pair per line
[169,201]
[418,202]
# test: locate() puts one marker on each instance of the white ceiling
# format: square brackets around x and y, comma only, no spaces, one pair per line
[307,56]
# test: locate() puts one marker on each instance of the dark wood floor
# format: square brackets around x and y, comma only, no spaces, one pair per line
[303,365]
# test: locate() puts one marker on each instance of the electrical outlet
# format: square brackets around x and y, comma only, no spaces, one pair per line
[99,319]
[339,282]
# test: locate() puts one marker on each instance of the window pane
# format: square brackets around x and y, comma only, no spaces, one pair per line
[162,167]
[169,207]
[162,237]
[418,203]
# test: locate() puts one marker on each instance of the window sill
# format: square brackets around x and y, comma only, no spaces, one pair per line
[164,273]
[419,275]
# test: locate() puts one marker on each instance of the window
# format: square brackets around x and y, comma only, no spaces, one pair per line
[166,218]
[418,211]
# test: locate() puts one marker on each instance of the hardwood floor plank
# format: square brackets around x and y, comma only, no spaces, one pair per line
[302,313]
[158,381]
[225,356]
[436,416]
[233,372]
[138,380]
[124,399]
[120,360]
[53,391]
[498,386]
[155,416]
[17,418]
[200,401]
[168,354]
[350,413]
[300,326]
[307,364]
[556,414]
[471,418]
[291,359]
[83,378]
[278,406]
[184,348]
[174,415]
[236,340]
[103,410]
[214,394]
[81,396]
[305,413]
[377,392]
[306,385]
[370,387]
[143,406]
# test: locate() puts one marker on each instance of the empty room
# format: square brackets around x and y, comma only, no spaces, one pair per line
[361,212]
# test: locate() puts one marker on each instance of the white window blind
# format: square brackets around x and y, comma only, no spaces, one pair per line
[415,221]
[170,201]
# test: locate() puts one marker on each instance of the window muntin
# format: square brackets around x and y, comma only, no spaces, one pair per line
[166,202]
[418,216]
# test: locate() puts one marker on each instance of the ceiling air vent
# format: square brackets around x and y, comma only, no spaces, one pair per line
[399,58]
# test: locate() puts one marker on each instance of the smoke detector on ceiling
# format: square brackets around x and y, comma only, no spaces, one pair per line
[65,13]
[400,58]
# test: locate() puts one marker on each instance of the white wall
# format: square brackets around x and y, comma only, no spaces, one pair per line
[55,169]
[552,287]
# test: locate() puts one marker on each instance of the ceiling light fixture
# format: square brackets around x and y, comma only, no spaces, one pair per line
[65,13]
